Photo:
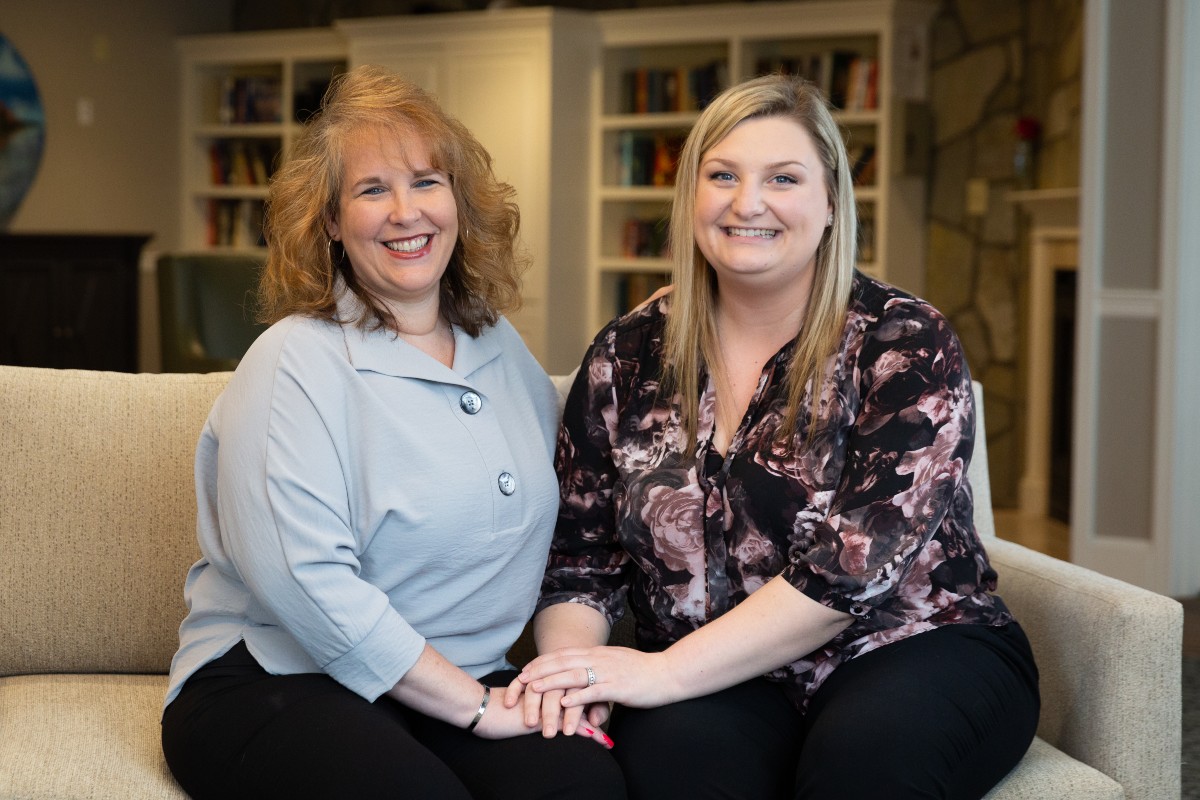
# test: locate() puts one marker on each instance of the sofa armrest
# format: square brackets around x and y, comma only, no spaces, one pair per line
[1109,654]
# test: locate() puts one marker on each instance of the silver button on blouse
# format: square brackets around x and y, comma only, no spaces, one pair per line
[507,483]
[470,402]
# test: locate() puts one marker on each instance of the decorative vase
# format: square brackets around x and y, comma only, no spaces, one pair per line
[1025,164]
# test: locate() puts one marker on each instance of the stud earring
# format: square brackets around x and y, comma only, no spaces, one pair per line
[829,221]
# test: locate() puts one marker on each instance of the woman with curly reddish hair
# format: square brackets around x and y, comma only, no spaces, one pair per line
[768,465]
[375,488]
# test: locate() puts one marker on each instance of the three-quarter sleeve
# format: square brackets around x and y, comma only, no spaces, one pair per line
[907,450]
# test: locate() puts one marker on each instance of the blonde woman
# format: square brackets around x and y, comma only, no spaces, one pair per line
[375,488]
[768,465]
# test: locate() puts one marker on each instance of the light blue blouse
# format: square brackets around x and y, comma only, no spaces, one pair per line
[358,499]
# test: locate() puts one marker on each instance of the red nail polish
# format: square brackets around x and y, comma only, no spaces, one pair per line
[607,741]
[587,730]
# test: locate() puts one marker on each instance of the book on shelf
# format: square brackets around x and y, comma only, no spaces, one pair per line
[249,99]
[854,82]
[817,68]
[862,79]
[648,159]
[633,288]
[849,80]
[866,239]
[238,162]
[235,223]
[862,164]
[650,90]
[645,238]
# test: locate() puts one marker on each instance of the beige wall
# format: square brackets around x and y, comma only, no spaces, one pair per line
[120,173]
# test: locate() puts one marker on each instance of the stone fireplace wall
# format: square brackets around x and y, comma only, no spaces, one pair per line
[994,62]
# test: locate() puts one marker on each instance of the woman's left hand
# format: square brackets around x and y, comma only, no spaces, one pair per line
[622,675]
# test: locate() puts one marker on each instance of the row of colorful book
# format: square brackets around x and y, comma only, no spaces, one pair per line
[648,159]
[633,288]
[249,99]
[235,223]
[645,238]
[649,90]
[863,164]
[849,80]
[242,162]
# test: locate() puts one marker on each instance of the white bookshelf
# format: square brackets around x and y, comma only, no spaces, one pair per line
[736,42]
[546,92]
[242,98]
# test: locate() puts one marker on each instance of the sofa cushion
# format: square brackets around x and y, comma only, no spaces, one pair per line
[74,736]
[99,516]
[1046,772]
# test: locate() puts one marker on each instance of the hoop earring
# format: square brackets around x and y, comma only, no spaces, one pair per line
[334,261]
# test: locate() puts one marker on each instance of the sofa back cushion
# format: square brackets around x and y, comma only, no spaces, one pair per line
[97,516]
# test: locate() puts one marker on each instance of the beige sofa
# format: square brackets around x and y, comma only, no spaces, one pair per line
[96,532]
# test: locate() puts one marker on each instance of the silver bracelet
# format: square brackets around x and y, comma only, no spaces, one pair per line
[487,695]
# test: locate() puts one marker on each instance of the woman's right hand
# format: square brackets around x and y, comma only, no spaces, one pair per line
[547,710]
[501,722]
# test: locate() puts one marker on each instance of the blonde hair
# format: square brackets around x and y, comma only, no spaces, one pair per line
[300,277]
[691,337]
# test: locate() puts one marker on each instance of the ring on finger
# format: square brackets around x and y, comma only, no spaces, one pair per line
[591,673]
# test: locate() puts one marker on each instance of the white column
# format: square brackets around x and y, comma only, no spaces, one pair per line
[1181,270]
[1136,476]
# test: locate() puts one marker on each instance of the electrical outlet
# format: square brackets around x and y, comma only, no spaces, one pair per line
[977,196]
[85,112]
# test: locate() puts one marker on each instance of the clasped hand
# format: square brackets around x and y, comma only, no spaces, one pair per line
[554,686]
[503,720]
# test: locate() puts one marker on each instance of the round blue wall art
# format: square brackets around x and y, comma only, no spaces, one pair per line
[22,130]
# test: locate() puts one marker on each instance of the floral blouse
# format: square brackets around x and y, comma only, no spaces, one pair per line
[872,517]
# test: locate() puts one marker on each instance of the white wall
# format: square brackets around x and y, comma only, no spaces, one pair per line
[121,173]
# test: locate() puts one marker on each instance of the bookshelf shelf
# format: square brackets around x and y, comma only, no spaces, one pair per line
[242,101]
[649,120]
[850,118]
[624,265]
[231,192]
[637,193]
[870,56]
[255,130]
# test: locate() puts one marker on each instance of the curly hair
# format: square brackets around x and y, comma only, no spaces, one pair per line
[481,281]
[691,337]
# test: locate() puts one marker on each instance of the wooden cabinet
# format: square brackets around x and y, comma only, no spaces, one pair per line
[243,100]
[69,301]
[659,66]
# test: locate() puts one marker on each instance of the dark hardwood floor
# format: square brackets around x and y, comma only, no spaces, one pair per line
[1191,627]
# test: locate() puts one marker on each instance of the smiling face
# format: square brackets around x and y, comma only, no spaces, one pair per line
[397,218]
[762,204]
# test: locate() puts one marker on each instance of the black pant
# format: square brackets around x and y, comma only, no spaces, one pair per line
[943,714]
[235,731]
